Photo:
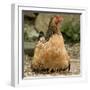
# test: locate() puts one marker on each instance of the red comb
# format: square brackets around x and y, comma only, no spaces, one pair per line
[58,17]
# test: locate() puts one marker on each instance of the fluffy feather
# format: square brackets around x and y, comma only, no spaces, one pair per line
[51,54]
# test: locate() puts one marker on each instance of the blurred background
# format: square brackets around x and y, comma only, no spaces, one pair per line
[36,22]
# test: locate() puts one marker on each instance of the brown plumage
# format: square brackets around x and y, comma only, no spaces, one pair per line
[54,26]
[51,54]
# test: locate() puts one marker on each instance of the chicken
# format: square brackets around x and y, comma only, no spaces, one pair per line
[50,54]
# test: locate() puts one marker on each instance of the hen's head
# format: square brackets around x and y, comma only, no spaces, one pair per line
[55,24]
[57,19]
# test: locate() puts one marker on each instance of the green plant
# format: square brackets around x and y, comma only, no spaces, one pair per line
[71,31]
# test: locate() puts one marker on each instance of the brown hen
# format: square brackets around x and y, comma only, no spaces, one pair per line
[51,53]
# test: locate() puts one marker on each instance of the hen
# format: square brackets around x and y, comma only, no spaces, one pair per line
[50,53]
